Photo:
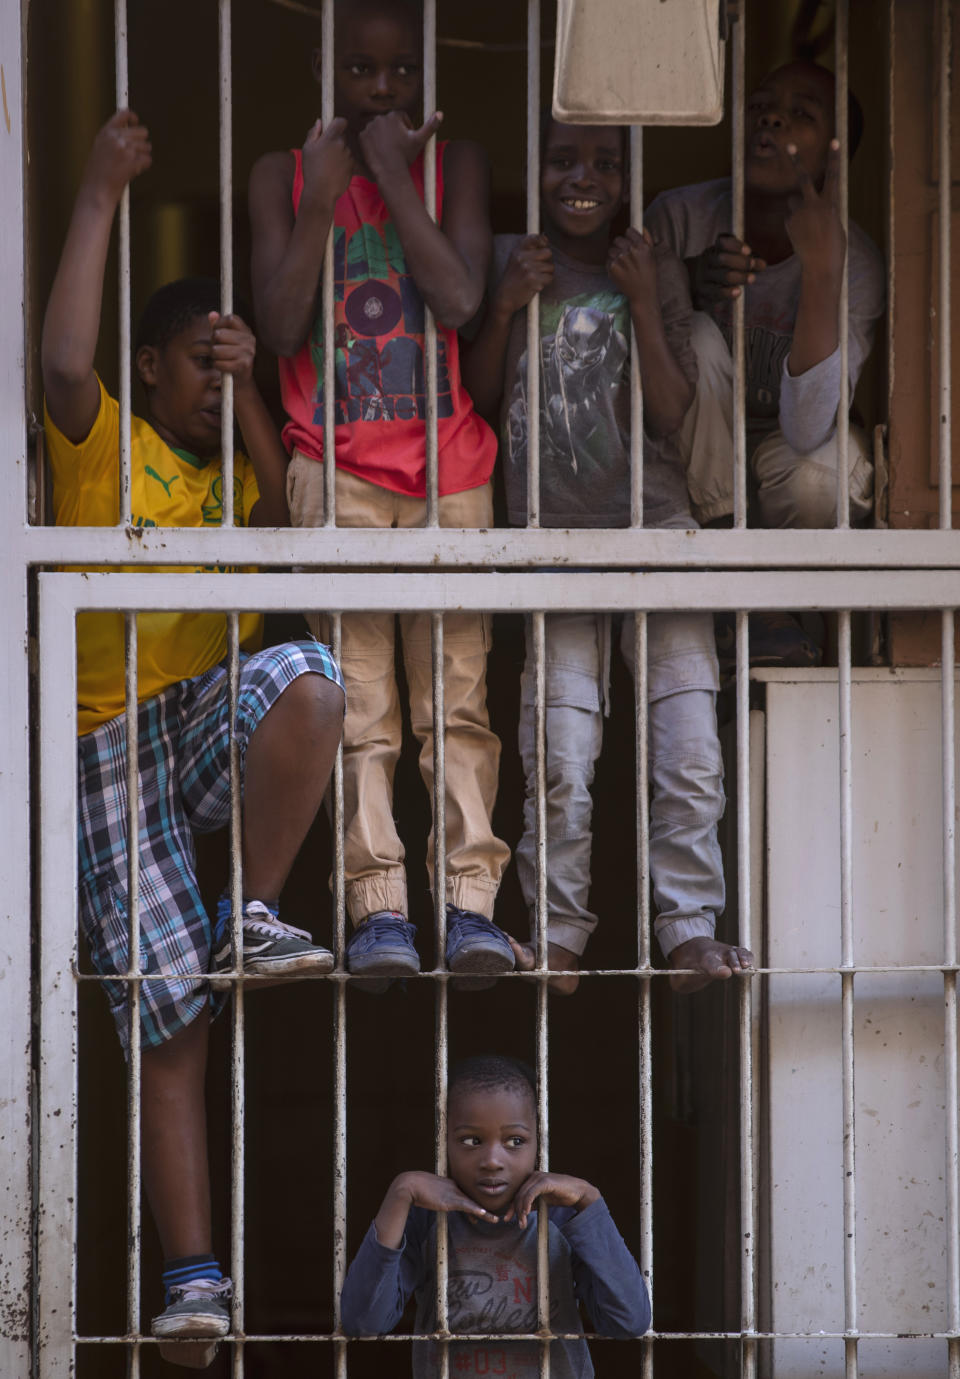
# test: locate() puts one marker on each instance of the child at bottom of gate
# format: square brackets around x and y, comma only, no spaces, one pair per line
[491,1199]
[601,297]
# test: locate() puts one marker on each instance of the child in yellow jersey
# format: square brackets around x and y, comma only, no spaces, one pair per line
[288,716]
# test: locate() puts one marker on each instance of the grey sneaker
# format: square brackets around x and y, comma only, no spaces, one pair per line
[270,947]
[380,949]
[194,1320]
[476,949]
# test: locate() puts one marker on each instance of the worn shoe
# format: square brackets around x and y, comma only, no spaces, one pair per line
[381,949]
[477,951]
[776,639]
[270,948]
[198,1311]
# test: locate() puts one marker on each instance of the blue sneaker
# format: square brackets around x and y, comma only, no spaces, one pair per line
[477,951]
[380,949]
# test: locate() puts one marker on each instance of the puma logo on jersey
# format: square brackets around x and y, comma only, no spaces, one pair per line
[167,483]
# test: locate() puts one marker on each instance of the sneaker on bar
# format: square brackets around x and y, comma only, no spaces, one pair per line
[477,951]
[776,639]
[270,947]
[381,949]
[198,1311]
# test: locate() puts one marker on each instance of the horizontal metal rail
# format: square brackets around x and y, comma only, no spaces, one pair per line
[404,1338]
[453,547]
[504,593]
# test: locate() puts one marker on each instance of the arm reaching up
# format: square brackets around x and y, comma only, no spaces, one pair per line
[71,324]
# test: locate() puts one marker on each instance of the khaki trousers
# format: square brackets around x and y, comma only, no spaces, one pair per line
[374,854]
[787,488]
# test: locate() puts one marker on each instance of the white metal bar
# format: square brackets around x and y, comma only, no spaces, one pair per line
[533,228]
[616,591]
[327,291]
[123,260]
[452,547]
[738,346]
[538,643]
[843,405]
[748,1204]
[237,1073]
[226,247]
[339,1043]
[439,788]
[440,930]
[944,217]
[543,1160]
[16,1034]
[57,1130]
[636,384]
[847,1000]
[405,1337]
[644,1025]
[951,1072]
[134,989]
[430,201]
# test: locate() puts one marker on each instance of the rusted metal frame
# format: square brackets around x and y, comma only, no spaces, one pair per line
[951,1072]
[847,971]
[134,1065]
[441,1014]
[644,1021]
[339,1043]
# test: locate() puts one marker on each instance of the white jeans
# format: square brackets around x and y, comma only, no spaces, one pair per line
[686,771]
[788,489]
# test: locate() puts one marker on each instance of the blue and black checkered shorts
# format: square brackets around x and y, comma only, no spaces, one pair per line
[184,764]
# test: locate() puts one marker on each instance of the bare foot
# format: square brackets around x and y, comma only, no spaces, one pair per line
[709,960]
[558,960]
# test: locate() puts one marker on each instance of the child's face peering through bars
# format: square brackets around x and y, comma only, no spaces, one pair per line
[582,180]
[377,62]
[491,1143]
[794,105]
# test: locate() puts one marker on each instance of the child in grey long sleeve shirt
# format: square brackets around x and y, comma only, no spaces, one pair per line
[492,1240]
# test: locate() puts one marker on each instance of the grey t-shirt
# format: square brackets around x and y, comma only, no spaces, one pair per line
[689,219]
[585,335]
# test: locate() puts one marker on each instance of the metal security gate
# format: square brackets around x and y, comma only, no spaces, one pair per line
[537,571]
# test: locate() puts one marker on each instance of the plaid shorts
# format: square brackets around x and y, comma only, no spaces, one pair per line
[184,764]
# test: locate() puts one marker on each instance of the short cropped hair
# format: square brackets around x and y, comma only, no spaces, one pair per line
[547,118]
[173,306]
[492,1072]
[410,9]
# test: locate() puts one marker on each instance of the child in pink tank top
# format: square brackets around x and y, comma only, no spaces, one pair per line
[362,180]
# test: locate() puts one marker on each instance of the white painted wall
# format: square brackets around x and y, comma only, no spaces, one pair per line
[900,1093]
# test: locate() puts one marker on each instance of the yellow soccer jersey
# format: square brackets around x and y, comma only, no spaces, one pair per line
[171,488]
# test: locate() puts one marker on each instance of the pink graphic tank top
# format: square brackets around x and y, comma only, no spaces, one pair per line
[380,381]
